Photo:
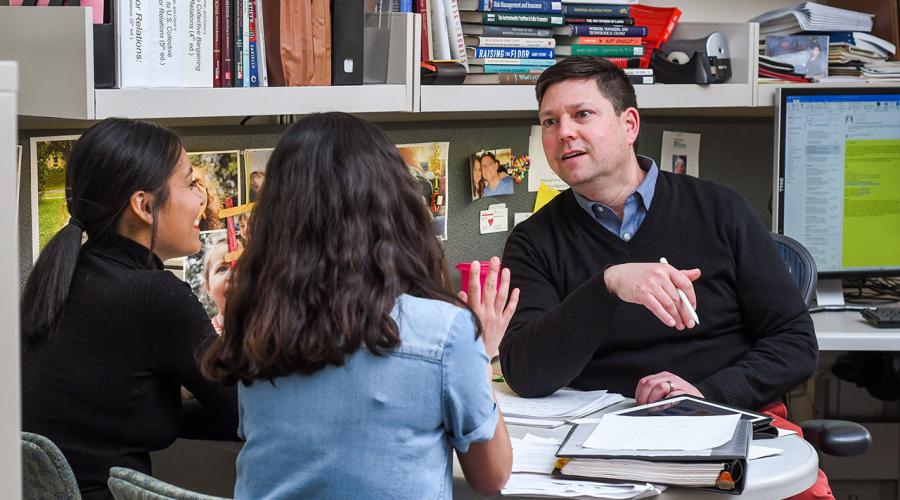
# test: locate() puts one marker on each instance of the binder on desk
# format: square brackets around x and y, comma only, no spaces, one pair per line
[721,469]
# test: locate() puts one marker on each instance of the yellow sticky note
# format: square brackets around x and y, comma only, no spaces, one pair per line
[544,195]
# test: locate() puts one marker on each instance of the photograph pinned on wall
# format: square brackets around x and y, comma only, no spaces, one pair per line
[255,161]
[219,177]
[48,188]
[207,271]
[427,163]
[680,153]
[490,173]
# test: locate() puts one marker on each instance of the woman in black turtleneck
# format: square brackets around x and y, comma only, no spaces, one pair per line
[109,337]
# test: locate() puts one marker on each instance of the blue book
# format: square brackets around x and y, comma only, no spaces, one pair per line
[510,52]
[506,68]
[535,6]
[401,6]
[595,30]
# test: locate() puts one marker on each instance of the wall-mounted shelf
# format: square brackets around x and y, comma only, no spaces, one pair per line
[54,48]
[739,92]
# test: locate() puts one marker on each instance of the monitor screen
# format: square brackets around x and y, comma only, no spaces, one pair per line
[837,178]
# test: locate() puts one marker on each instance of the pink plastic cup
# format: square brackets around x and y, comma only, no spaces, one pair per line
[464,273]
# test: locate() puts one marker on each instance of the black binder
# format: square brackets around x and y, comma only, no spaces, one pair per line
[347,28]
[731,457]
[104,46]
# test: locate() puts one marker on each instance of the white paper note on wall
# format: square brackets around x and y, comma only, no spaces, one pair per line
[680,153]
[539,171]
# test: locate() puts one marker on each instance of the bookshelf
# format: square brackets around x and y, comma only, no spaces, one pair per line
[55,50]
[10,442]
[739,92]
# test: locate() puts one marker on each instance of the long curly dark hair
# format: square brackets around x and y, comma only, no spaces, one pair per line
[311,291]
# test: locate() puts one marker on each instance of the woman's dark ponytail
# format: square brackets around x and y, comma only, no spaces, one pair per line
[110,162]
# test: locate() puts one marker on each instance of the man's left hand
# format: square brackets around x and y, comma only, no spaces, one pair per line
[652,388]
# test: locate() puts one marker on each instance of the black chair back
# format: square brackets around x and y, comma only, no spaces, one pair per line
[800,265]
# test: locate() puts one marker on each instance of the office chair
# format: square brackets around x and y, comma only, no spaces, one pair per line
[840,438]
[45,471]
[127,484]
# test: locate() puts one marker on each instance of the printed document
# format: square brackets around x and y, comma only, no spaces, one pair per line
[619,432]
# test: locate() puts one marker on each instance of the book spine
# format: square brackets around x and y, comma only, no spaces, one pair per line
[454,32]
[425,33]
[198,46]
[517,31]
[261,43]
[626,31]
[607,50]
[238,70]
[512,53]
[614,21]
[513,19]
[625,62]
[401,6]
[253,46]
[506,68]
[519,78]
[217,43]
[532,6]
[608,40]
[133,48]
[585,10]
[491,41]
[166,68]
[440,36]
[638,71]
[509,61]
[227,44]
[641,79]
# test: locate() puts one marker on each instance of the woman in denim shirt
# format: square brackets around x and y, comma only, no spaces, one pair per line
[358,369]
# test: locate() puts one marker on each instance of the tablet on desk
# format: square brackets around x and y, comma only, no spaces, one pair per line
[686,406]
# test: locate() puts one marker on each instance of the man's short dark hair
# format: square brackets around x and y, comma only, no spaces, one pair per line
[612,82]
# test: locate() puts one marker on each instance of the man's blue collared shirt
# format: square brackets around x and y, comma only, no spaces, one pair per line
[636,205]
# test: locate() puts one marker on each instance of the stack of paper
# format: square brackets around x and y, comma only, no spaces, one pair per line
[533,461]
[553,410]
[810,16]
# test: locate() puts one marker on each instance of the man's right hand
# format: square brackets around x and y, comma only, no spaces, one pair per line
[655,286]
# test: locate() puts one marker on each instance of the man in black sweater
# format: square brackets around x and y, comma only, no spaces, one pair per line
[599,311]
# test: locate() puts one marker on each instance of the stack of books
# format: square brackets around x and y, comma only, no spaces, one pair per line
[509,37]
[624,32]
[842,36]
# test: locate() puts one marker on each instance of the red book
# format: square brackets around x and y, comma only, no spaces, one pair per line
[607,40]
[422,8]
[660,22]
[631,62]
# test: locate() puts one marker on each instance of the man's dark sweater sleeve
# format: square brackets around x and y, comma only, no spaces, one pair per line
[784,352]
[549,340]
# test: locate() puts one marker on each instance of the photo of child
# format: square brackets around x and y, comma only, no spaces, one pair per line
[255,161]
[218,176]
[207,273]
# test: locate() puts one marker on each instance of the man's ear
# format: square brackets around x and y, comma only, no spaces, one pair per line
[141,206]
[632,123]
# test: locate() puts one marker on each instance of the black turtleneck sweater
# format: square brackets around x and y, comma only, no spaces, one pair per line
[755,340]
[105,385]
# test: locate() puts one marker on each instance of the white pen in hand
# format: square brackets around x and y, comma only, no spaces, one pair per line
[684,299]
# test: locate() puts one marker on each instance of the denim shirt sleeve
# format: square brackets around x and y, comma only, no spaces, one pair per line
[470,413]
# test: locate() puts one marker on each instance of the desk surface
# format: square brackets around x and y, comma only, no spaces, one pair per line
[780,476]
[848,331]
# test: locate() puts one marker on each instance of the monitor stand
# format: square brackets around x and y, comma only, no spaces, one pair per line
[830,293]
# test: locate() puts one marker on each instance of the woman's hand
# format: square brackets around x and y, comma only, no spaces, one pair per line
[494,306]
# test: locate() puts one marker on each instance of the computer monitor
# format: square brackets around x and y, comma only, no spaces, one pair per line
[837,180]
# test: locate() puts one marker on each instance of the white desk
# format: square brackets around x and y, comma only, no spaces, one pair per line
[780,476]
[848,331]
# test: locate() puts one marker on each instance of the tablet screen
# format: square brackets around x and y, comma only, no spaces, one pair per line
[686,406]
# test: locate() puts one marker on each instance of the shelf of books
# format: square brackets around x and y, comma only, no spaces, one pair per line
[55,50]
[738,91]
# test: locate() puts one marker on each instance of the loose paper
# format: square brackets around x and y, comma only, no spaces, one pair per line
[621,432]
[680,153]
[540,172]
[520,217]
[544,195]
[494,220]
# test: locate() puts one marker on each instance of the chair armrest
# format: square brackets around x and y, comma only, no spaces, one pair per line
[840,438]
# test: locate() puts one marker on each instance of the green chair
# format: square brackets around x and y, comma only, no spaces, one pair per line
[45,471]
[127,484]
